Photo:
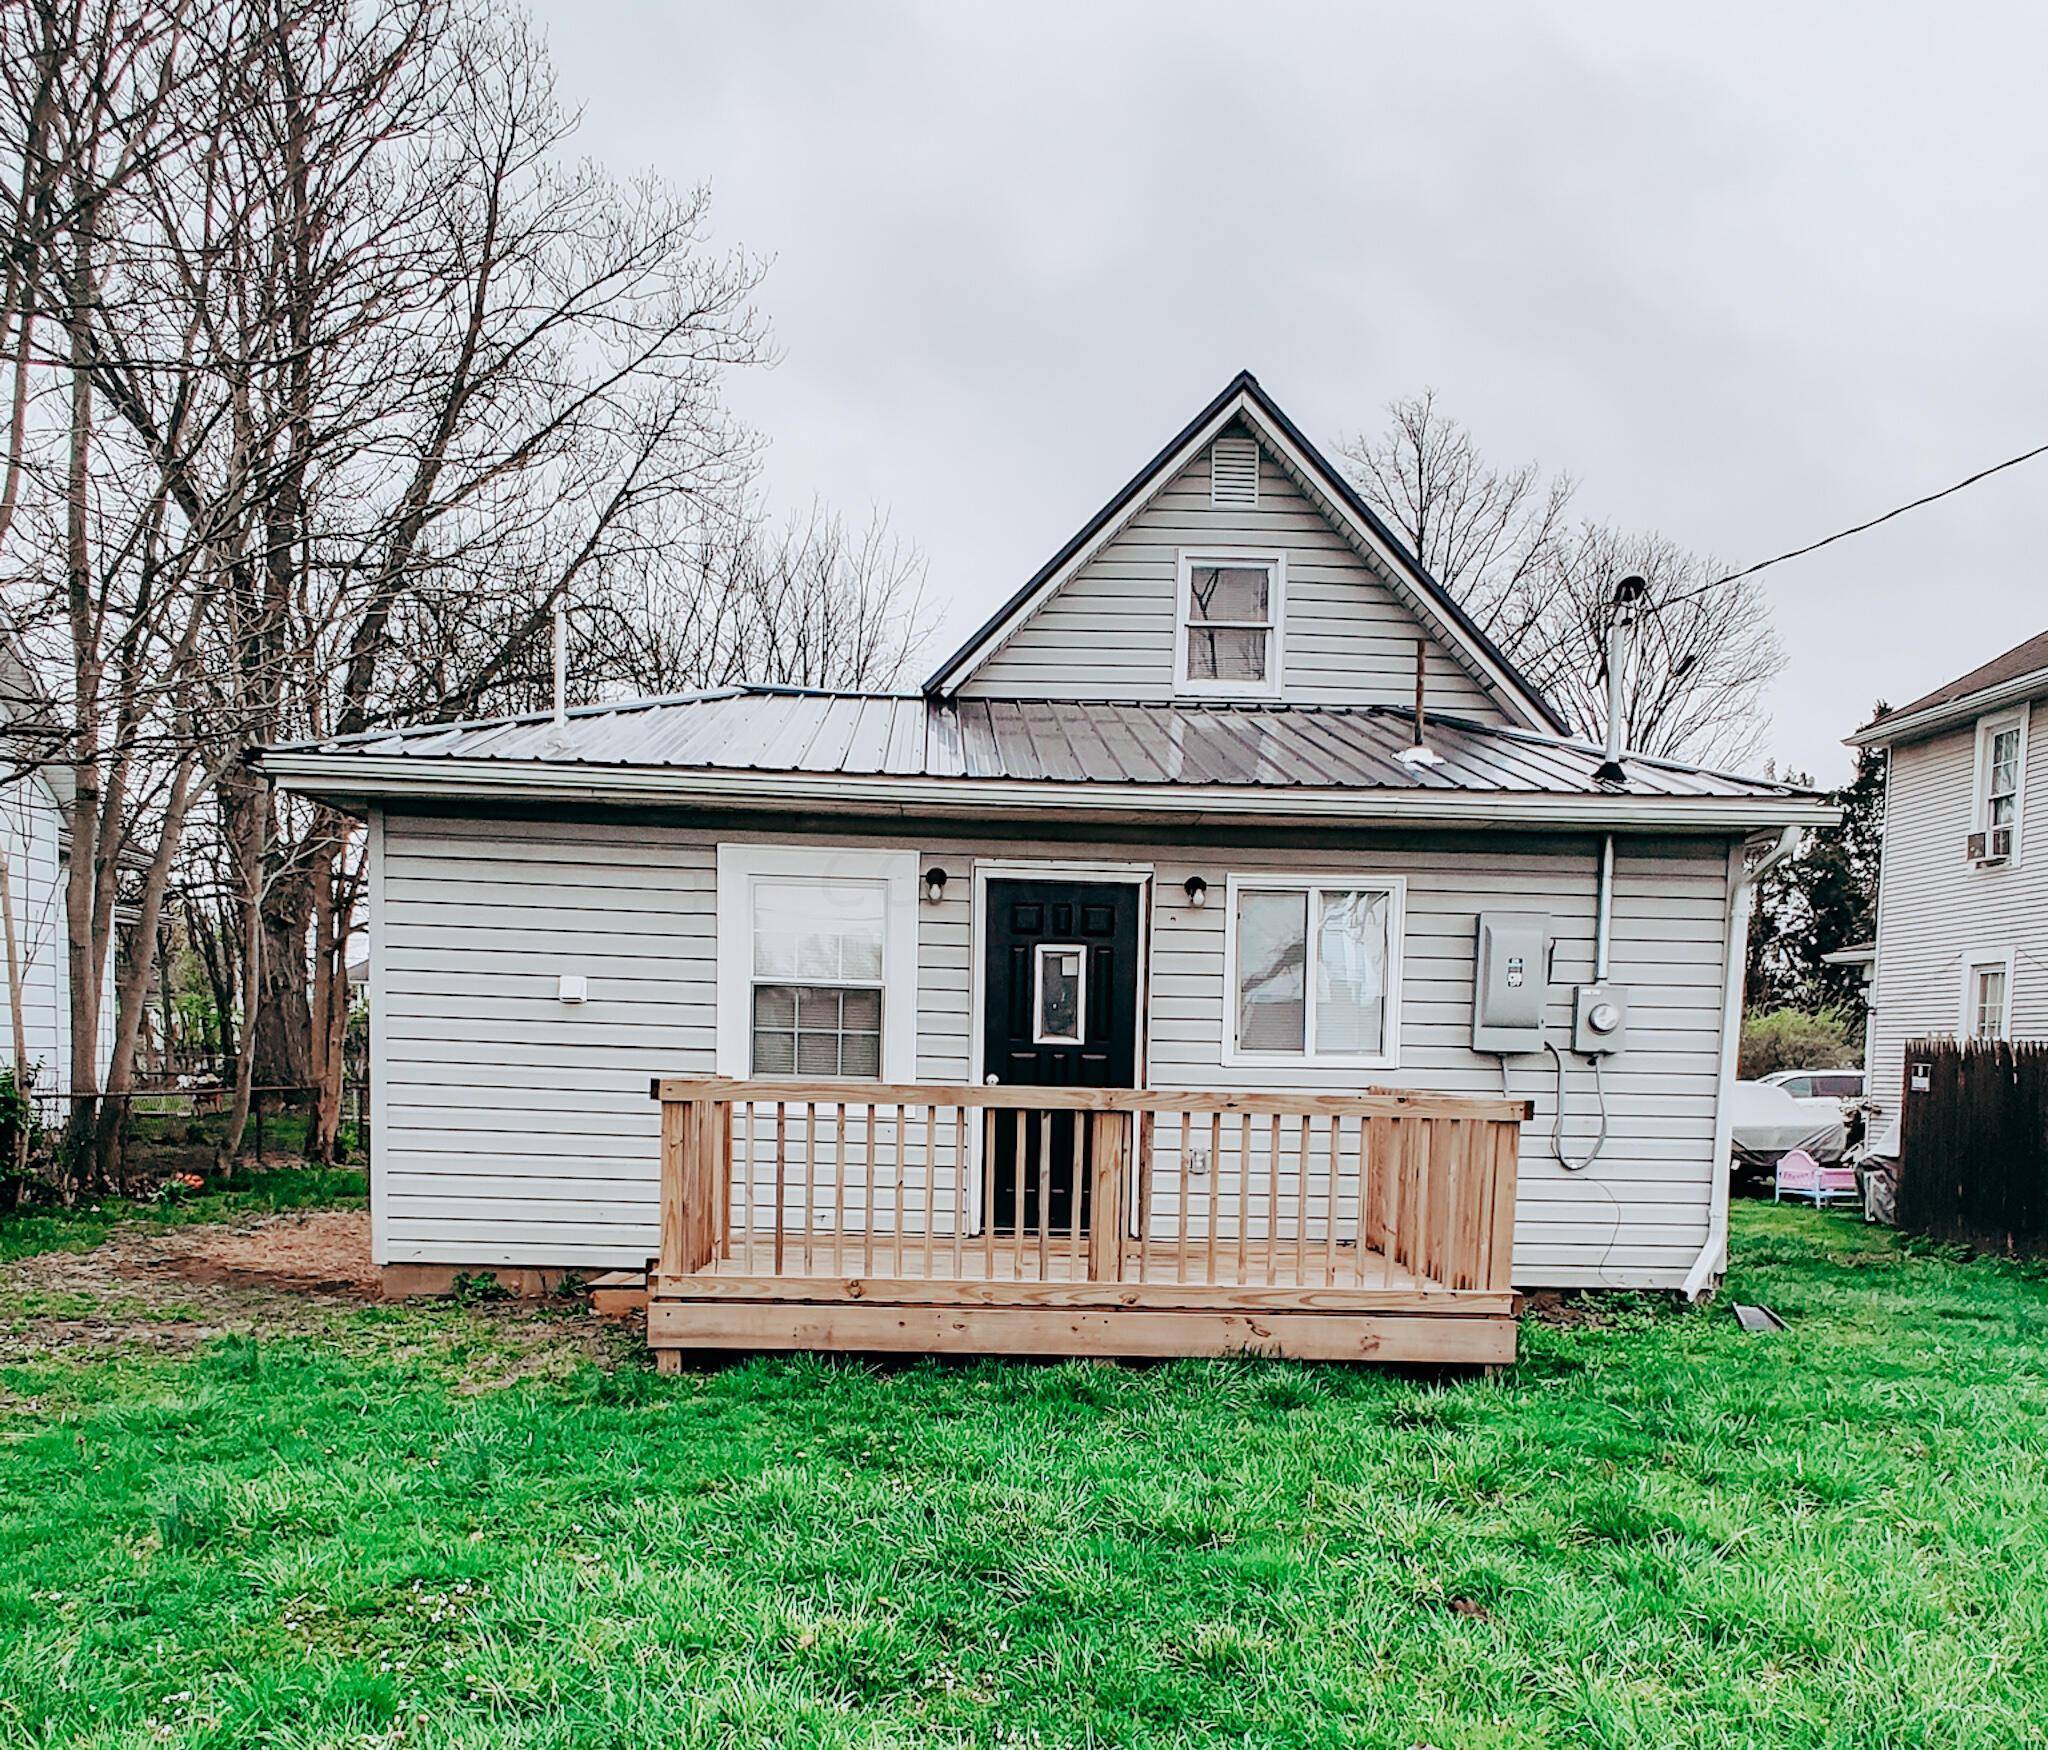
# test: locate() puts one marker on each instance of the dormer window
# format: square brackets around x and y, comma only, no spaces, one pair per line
[1227,627]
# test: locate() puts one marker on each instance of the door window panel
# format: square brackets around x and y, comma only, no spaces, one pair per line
[1059,999]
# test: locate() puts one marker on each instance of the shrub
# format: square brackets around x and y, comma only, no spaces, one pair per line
[1775,1039]
[479,1289]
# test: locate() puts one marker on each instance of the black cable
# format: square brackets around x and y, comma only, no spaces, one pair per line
[1843,534]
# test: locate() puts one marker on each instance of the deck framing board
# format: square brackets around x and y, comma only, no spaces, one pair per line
[674,1326]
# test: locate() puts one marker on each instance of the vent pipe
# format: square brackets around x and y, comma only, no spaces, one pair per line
[561,662]
[1421,754]
[1620,645]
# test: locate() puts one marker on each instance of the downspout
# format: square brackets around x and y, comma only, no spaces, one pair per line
[1742,882]
[1603,914]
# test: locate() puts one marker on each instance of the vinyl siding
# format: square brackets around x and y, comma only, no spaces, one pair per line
[513,1128]
[1935,908]
[1109,631]
[28,821]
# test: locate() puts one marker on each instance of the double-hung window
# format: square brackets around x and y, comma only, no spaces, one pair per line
[1227,625]
[1987,994]
[817,963]
[2001,782]
[816,1002]
[1313,971]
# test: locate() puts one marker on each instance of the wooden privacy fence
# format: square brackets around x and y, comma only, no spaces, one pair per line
[1006,1197]
[1973,1141]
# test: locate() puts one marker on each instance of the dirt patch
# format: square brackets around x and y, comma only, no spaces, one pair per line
[326,1251]
[1567,1308]
[321,1253]
[301,1273]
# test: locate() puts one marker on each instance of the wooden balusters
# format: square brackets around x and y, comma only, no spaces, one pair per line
[1428,1204]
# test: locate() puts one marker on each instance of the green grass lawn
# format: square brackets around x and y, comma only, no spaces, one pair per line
[439,1525]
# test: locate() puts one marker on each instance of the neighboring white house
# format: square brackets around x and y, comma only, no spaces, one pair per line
[1962,907]
[1184,741]
[32,831]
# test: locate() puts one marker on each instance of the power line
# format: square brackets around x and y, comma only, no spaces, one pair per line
[1843,534]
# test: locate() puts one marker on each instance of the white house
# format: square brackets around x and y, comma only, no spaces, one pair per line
[1962,908]
[1157,825]
[32,831]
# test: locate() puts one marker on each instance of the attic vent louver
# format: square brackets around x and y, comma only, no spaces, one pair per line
[1234,472]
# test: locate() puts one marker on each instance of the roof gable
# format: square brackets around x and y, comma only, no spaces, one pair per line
[1310,476]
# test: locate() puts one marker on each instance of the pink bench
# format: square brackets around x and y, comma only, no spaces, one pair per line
[1798,1174]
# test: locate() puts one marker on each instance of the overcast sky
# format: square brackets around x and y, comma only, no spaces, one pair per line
[1749,273]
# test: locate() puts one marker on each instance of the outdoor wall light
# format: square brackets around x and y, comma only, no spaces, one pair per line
[935,884]
[1197,891]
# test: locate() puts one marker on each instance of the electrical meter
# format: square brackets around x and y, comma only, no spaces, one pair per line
[1599,1019]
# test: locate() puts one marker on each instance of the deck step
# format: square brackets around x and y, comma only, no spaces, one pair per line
[618,1294]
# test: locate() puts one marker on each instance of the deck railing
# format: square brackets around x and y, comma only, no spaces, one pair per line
[879,1184]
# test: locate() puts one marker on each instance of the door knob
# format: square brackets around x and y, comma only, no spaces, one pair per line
[991,1079]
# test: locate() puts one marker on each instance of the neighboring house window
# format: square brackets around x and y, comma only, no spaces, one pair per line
[1313,970]
[2001,774]
[1227,625]
[817,963]
[1987,994]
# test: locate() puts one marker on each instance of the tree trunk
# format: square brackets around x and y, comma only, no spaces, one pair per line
[216,959]
[16,1010]
[283,1033]
[330,986]
[134,985]
[82,967]
[255,817]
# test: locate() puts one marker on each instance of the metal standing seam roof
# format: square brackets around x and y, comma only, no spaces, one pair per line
[787,731]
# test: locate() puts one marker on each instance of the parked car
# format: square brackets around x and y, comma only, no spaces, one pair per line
[1769,1123]
[1838,1085]
[1822,1091]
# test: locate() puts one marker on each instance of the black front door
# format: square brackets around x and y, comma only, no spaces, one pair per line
[1060,1010]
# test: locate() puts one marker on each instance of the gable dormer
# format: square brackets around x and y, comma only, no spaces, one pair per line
[1239,565]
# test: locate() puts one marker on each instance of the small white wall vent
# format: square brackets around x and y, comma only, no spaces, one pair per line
[1234,472]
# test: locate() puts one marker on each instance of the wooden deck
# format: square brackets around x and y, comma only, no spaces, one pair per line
[938,1219]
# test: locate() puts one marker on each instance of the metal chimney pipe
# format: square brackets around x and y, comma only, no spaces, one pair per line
[561,662]
[1620,644]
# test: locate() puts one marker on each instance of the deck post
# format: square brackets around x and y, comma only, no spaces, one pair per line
[691,1207]
[1109,1163]
[673,1246]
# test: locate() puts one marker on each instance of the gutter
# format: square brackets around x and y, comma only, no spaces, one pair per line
[415,776]
[1713,1256]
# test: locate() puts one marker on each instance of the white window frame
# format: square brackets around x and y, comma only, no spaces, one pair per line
[1389,1055]
[1040,953]
[1988,729]
[1276,629]
[741,867]
[1984,960]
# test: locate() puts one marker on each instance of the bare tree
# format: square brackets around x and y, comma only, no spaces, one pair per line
[1541,585]
[332,374]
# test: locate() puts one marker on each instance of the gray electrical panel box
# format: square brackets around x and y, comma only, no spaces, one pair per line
[1513,979]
